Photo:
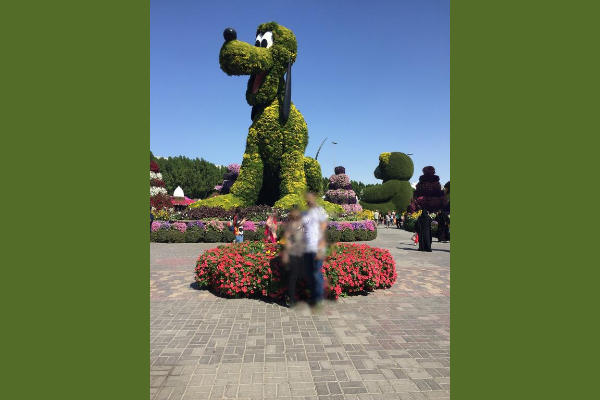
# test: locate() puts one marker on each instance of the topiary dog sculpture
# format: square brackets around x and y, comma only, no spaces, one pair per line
[274,167]
[395,193]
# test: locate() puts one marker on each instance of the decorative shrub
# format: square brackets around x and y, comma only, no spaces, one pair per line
[341,196]
[157,183]
[226,201]
[352,208]
[229,178]
[159,199]
[176,236]
[194,236]
[372,235]
[360,235]
[338,181]
[429,193]
[214,231]
[253,269]
[298,200]
[340,192]
[446,202]
[395,169]
[334,236]
[312,171]
[257,235]
[228,236]
[273,164]
[348,236]
[212,236]
[410,220]
[339,170]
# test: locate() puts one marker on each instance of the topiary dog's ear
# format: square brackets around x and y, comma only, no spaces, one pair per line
[287,98]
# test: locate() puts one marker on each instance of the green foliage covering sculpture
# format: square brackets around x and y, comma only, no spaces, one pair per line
[274,168]
[395,169]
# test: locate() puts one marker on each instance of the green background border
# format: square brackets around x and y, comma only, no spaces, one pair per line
[75,135]
[521,293]
[75,141]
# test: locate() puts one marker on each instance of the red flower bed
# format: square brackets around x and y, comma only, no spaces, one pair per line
[252,269]
[355,268]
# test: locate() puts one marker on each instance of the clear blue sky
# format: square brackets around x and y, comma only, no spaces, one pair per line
[371,76]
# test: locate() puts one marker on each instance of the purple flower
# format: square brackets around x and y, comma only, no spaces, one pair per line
[249,226]
[234,168]
[339,181]
[352,208]
[341,196]
[358,225]
[334,226]
[195,225]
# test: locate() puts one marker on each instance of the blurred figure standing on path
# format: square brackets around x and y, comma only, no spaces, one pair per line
[443,223]
[314,221]
[423,229]
[376,217]
[293,255]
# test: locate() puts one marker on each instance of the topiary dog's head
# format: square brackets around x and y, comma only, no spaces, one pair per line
[266,61]
[394,165]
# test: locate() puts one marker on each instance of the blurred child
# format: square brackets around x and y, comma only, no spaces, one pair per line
[415,238]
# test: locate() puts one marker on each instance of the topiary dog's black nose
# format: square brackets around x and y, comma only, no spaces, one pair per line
[229,34]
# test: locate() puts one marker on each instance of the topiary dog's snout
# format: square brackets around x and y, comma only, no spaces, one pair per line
[240,58]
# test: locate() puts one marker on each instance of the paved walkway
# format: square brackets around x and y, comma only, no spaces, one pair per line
[390,344]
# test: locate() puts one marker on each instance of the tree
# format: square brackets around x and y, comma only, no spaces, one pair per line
[196,177]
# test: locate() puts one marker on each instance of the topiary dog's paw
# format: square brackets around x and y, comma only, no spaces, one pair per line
[226,201]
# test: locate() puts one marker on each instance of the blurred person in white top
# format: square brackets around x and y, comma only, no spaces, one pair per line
[314,221]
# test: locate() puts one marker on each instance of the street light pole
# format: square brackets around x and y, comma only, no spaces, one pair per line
[334,143]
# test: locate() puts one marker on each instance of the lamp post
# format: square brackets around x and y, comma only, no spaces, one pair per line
[334,143]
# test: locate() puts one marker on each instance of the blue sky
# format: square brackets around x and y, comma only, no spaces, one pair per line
[371,76]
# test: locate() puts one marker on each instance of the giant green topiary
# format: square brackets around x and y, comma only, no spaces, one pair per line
[395,169]
[273,166]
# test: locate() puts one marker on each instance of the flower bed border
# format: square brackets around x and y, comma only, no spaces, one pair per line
[218,232]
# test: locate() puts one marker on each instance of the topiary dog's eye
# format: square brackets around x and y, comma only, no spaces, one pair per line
[267,39]
[258,40]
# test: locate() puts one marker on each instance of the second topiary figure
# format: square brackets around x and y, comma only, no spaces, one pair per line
[395,169]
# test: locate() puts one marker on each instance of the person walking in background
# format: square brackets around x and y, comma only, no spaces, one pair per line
[271,229]
[443,223]
[293,254]
[423,229]
[376,217]
[388,220]
[314,222]
[238,226]
[151,219]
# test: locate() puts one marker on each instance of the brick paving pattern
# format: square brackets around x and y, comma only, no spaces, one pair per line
[389,344]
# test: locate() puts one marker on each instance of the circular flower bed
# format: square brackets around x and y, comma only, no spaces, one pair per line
[254,269]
